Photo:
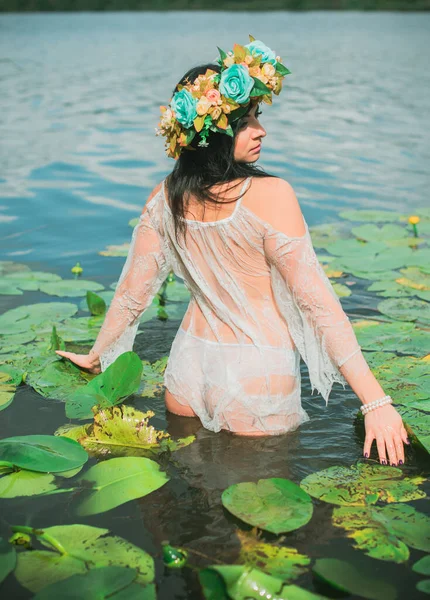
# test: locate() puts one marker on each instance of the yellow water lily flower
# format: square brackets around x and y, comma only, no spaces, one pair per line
[413,219]
[77,269]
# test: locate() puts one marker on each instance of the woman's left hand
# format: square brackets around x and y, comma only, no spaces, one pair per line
[386,426]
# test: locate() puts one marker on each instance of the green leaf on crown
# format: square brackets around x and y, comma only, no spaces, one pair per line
[222,54]
[251,38]
[199,122]
[281,69]
[259,89]
[190,136]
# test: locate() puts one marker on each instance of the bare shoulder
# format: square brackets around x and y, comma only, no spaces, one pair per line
[153,193]
[279,206]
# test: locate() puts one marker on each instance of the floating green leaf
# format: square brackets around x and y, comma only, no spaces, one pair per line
[76,549]
[370,232]
[96,304]
[385,532]
[277,505]
[117,481]
[106,582]
[239,582]
[406,309]
[23,318]
[391,337]
[26,483]
[348,578]
[353,248]
[117,382]
[378,216]
[7,559]
[384,260]
[123,431]
[424,586]
[57,380]
[280,561]
[362,484]
[46,453]
[7,390]
[422,566]
[417,425]
[70,287]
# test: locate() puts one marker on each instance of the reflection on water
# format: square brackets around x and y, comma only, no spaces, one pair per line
[78,109]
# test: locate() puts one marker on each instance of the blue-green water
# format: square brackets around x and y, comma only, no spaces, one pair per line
[79,103]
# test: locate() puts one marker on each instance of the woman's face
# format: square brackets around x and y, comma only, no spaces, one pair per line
[248,138]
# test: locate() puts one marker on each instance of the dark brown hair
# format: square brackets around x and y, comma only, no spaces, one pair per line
[197,170]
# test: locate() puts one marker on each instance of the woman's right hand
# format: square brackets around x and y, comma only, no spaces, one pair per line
[85,361]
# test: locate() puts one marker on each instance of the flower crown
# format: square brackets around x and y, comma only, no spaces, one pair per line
[214,100]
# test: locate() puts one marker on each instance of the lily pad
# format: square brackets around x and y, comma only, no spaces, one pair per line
[70,287]
[116,250]
[422,566]
[57,380]
[385,532]
[117,382]
[76,549]
[417,424]
[384,260]
[123,431]
[283,562]
[7,559]
[370,232]
[353,248]
[117,481]
[424,586]
[7,390]
[277,505]
[45,453]
[377,216]
[102,583]
[348,578]
[362,484]
[406,309]
[239,582]
[23,318]
[406,338]
[26,483]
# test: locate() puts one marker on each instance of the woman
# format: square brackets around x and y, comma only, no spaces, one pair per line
[260,300]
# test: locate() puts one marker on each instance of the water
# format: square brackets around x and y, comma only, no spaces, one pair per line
[79,102]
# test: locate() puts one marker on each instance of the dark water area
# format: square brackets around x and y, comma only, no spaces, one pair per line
[79,104]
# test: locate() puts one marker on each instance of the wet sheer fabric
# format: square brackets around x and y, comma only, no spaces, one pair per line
[260,300]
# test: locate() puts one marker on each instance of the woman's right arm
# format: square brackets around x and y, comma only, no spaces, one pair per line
[319,326]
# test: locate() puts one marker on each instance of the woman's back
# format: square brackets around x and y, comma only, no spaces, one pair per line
[224,266]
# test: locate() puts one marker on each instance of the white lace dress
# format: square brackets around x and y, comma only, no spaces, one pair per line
[260,300]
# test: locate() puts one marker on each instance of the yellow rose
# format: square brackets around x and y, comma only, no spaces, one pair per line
[226,109]
[268,70]
[203,106]
[413,219]
[249,59]
[229,61]
[216,113]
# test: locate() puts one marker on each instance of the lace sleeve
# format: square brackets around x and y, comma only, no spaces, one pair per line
[144,272]
[318,324]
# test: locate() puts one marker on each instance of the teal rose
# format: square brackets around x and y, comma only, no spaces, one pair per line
[236,83]
[184,104]
[267,55]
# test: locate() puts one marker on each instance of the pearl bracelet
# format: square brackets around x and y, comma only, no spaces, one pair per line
[375,404]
